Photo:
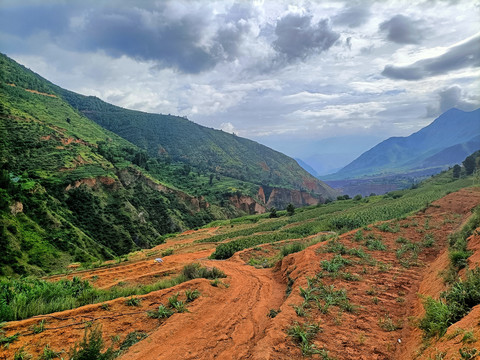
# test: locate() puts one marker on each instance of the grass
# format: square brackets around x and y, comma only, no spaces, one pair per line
[387,323]
[452,306]
[162,312]
[302,335]
[48,353]
[335,264]
[21,354]
[91,347]
[133,301]
[132,338]
[23,298]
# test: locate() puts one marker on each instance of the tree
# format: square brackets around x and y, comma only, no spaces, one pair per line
[290,209]
[469,164]
[357,197]
[456,171]
[273,213]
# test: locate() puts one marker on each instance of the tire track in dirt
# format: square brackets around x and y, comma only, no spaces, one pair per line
[226,327]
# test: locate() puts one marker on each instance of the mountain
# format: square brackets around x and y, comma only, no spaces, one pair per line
[306,167]
[174,138]
[443,143]
[71,190]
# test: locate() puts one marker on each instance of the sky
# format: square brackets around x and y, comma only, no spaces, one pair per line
[318,80]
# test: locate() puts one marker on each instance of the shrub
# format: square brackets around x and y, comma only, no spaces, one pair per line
[90,348]
[133,301]
[132,338]
[291,248]
[195,271]
[161,313]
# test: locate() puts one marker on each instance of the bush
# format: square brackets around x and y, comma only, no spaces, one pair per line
[90,348]
[195,271]
[291,248]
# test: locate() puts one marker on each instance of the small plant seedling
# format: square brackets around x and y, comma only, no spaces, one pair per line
[273,312]
[40,327]
[192,295]
[162,312]
[133,301]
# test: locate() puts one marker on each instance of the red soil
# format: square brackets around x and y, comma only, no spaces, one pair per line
[232,323]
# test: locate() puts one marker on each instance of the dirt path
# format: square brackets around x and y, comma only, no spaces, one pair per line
[226,327]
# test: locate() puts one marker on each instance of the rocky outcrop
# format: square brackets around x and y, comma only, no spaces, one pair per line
[276,197]
[280,198]
[247,204]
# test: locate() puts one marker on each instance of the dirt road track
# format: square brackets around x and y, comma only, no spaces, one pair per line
[226,327]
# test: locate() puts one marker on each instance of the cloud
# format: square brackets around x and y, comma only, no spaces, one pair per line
[298,38]
[227,127]
[353,16]
[451,97]
[402,30]
[466,54]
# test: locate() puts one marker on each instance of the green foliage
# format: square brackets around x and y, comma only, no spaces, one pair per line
[133,301]
[26,297]
[335,264]
[290,209]
[21,354]
[132,338]
[291,248]
[454,304]
[162,312]
[303,334]
[49,354]
[195,271]
[191,295]
[273,313]
[273,213]
[91,347]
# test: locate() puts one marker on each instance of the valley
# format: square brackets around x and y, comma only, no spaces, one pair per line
[353,293]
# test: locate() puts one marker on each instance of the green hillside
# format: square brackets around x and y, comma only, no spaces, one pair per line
[173,138]
[73,191]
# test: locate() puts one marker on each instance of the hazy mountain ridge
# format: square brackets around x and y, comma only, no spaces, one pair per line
[454,133]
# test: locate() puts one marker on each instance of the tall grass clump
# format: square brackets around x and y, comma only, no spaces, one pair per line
[26,297]
[453,305]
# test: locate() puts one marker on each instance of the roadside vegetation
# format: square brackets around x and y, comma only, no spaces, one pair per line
[26,297]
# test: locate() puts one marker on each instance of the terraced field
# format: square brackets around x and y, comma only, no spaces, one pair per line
[344,294]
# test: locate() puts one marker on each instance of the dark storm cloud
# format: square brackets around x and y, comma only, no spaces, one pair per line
[353,16]
[144,32]
[402,30]
[457,57]
[297,37]
[26,20]
[149,36]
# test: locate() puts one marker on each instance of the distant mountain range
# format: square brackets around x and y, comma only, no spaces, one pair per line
[446,141]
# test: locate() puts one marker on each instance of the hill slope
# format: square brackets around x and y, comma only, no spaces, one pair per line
[71,190]
[445,142]
[176,138]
